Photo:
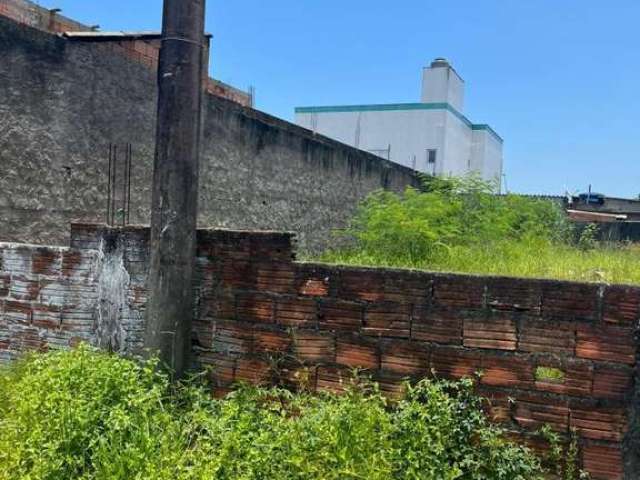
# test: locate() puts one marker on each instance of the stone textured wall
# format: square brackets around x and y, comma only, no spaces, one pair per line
[261,317]
[63,102]
[57,118]
[260,172]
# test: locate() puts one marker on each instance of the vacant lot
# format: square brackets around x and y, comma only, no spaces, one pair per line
[459,225]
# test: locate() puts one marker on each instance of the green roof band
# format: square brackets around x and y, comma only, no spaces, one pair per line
[484,126]
[388,107]
[374,108]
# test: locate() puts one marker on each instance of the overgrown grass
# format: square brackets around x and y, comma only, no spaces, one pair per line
[458,225]
[607,264]
[87,415]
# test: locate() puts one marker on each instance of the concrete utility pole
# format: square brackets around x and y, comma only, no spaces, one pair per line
[175,184]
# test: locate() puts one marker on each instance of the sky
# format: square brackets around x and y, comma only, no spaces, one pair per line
[557,79]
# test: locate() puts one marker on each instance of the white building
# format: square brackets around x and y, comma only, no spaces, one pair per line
[432,136]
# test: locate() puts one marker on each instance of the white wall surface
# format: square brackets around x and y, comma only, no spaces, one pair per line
[487,155]
[410,130]
[443,85]
[410,133]
[458,140]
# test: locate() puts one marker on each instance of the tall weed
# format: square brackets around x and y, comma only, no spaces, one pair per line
[83,414]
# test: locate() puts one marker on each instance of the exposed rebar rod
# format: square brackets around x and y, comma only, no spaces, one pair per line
[113,186]
[129,185]
[109,184]
[124,186]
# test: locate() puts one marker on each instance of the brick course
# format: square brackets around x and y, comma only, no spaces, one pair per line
[40,304]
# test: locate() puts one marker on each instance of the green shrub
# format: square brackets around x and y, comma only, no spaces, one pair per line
[459,225]
[422,225]
[87,415]
[82,414]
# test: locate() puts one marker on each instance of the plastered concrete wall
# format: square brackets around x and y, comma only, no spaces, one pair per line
[63,102]
[261,317]
[265,173]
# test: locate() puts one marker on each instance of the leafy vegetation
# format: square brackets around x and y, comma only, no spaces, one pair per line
[549,374]
[459,225]
[86,415]
[562,457]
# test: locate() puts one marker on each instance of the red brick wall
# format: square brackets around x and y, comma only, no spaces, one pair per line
[221,89]
[269,318]
[47,298]
[261,317]
[146,52]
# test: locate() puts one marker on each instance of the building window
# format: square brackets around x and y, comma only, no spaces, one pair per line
[431,156]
